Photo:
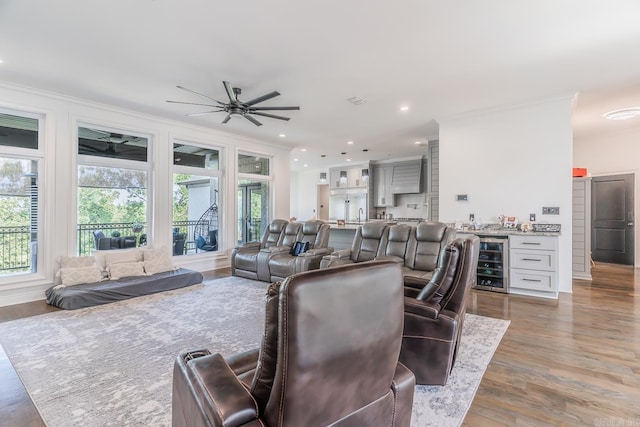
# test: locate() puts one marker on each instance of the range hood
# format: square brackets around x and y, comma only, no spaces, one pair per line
[407,177]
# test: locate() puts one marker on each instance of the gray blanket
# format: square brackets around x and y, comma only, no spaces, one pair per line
[90,294]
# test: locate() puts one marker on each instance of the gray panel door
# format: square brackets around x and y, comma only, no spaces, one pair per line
[612,219]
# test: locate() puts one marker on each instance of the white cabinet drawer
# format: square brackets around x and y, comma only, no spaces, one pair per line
[533,242]
[533,260]
[533,280]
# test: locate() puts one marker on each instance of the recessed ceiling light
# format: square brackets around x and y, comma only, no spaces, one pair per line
[404,108]
[1,61]
[343,153]
[323,155]
[622,114]
[350,142]
[348,160]
[365,149]
[295,160]
[303,149]
[417,142]
[305,165]
[282,135]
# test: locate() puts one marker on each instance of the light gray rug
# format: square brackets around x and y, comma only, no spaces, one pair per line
[112,365]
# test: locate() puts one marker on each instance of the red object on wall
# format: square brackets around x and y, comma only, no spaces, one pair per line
[579,172]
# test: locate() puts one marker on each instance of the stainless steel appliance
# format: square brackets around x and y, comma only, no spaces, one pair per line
[493,264]
[350,205]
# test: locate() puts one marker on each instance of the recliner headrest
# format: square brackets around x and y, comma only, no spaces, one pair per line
[311,227]
[430,231]
[399,233]
[372,230]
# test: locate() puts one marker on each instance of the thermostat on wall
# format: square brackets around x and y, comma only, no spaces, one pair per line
[461,197]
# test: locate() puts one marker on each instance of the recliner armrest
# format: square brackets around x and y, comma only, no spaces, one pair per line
[276,249]
[317,252]
[393,258]
[223,398]
[248,246]
[342,253]
[427,309]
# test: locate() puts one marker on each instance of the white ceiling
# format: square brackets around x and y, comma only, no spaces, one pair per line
[440,58]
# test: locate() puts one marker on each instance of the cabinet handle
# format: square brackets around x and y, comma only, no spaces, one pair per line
[531,243]
[524,279]
[531,259]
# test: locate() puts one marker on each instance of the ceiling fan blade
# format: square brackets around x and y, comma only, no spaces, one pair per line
[204,112]
[226,119]
[273,116]
[192,103]
[262,98]
[252,120]
[199,94]
[273,108]
[230,93]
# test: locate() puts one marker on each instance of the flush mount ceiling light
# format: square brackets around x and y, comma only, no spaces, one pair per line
[622,114]
[282,135]
[350,142]
[404,108]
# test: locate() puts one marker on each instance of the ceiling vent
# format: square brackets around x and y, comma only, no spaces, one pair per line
[356,100]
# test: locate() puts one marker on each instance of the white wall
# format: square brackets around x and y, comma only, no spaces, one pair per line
[512,161]
[613,153]
[304,193]
[62,115]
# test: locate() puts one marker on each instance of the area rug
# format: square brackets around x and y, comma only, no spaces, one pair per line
[111,365]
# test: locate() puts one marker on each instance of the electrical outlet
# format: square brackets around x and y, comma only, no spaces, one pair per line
[472,217]
[532,217]
[550,210]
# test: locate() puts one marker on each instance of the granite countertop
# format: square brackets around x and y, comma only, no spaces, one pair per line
[509,232]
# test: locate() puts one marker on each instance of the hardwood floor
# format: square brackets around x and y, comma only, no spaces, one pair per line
[572,361]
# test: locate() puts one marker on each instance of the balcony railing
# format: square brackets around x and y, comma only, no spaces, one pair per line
[17,247]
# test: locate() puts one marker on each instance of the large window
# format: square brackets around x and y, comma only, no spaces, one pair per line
[196,201]
[20,158]
[253,196]
[113,177]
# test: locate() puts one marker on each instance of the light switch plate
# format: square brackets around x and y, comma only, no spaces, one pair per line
[532,217]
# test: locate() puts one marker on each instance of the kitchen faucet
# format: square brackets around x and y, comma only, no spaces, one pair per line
[360,211]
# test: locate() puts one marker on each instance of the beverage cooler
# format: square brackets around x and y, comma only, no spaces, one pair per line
[347,204]
[493,264]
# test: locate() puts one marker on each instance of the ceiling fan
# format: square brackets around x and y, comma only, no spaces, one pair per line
[235,106]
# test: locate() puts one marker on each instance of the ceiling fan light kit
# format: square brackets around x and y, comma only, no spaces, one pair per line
[237,107]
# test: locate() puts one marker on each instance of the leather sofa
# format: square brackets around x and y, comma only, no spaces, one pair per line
[283,265]
[244,258]
[364,247]
[434,317]
[324,360]
[274,259]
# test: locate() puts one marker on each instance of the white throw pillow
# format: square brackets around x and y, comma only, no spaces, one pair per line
[154,254]
[72,262]
[76,275]
[125,269]
[121,255]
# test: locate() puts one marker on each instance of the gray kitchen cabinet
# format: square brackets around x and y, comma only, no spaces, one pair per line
[382,195]
[533,267]
[581,224]
[354,177]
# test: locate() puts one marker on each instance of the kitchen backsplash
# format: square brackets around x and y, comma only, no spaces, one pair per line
[407,206]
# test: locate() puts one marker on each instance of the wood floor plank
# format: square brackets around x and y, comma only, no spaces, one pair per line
[565,362]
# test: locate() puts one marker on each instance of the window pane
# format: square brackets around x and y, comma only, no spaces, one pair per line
[16,131]
[19,211]
[195,214]
[253,210]
[198,157]
[112,208]
[100,143]
[253,164]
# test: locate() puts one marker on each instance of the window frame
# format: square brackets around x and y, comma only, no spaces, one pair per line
[193,170]
[37,155]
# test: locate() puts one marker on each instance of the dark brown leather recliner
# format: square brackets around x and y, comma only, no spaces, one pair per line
[433,319]
[364,247]
[329,356]
[316,233]
[244,258]
[423,250]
